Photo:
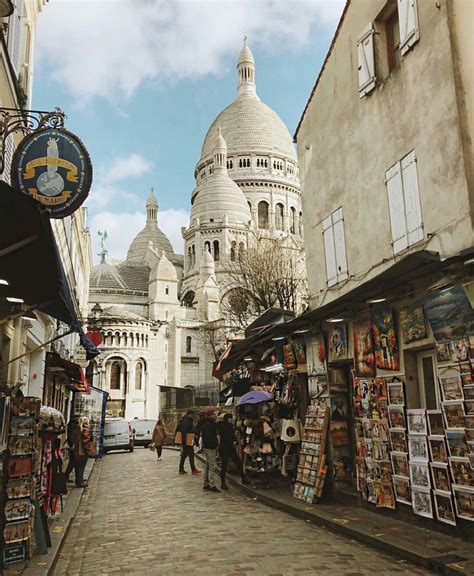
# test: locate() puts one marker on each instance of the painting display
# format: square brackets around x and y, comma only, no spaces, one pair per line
[451,386]
[364,359]
[396,415]
[395,393]
[444,508]
[418,448]
[450,314]
[457,443]
[400,464]
[440,475]
[420,475]
[337,343]
[412,323]
[417,421]
[401,486]
[337,381]
[316,356]
[438,450]
[454,414]
[435,422]
[385,339]
[464,502]
[398,440]
[317,386]
[421,502]
[461,471]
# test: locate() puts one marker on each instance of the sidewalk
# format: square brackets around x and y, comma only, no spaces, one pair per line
[41,564]
[428,548]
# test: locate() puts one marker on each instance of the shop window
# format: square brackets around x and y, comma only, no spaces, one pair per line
[292,220]
[279,211]
[115,376]
[335,248]
[263,215]
[188,344]
[404,203]
[138,376]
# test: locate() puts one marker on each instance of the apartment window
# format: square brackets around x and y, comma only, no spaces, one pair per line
[335,248]
[392,34]
[404,203]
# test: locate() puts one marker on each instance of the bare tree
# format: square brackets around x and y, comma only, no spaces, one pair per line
[270,273]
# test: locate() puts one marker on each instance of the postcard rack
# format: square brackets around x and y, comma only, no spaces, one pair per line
[312,463]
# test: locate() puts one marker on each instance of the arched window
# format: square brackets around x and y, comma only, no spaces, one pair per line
[138,376]
[215,246]
[115,376]
[189,344]
[117,339]
[137,340]
[124,338]
[188,299]
[233,245]
[110,338]
[263,215]
[190,257]
[207,246]
[131,339]
[167,290]
[241,249]
[292,220]
[279,209]
[300,224]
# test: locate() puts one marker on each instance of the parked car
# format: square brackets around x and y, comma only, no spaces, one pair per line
[118,435]
[143,431]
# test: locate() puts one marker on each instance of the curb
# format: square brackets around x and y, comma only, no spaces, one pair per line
[43,564]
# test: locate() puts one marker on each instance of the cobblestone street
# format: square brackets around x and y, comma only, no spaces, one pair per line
[139,517]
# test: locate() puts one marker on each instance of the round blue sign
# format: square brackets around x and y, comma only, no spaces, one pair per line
[54,167]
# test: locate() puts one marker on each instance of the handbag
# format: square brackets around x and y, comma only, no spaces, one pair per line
[190,439]
[178,439]
[151,446]
[291,431]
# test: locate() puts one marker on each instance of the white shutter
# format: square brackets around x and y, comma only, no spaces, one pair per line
[340,245]
[396,203]
[408,21]
[331,268]
[411,194]
[16,43]
[9,149]
[366,62]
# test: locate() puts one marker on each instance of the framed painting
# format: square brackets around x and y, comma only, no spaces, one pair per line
[385,339]
[438,450]
[337,381]
[454,414]
[396,396]
[444,507]
[400,464]
[418,448]
[401,487]
[435,422]
[440,475]
[416,419]
[420,475]
[464,502]
[398,440]
[457,443]
[337,343]
[421,502]
[461,471]
[412,322]
[468,392]
[449,313]
[364,359]
[451,386]
[315,355]
[396,416]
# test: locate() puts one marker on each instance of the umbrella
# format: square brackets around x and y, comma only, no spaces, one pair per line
[209,410]
[51,419]
[255,397]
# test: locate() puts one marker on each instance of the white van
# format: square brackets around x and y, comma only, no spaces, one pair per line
[117,435]
[142,431]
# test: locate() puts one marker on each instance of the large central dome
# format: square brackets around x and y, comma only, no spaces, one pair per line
[248,124]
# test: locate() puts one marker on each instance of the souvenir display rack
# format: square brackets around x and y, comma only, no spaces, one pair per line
[19,467]
[312,464]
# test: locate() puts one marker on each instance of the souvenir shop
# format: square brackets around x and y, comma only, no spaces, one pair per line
[385,396]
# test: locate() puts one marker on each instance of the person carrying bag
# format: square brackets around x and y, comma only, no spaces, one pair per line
[185,433]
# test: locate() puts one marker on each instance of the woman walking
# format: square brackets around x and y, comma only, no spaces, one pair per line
[158,438]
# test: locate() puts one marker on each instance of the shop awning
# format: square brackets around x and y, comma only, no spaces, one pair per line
[72,370]
[388,284]
[30,262]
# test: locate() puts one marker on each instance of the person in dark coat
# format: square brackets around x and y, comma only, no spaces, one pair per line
[227,451]
[186,426]
[73,423]
[210,443]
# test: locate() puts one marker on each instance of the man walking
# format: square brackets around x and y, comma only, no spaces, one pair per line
[209,446]
[227,442]
[186,427]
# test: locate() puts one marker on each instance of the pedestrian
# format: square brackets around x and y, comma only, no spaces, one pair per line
[227,451]
[186,428]
[73,423]
[210,444]
[82,441]
[158,438]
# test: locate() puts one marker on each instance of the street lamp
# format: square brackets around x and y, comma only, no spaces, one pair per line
[94,320]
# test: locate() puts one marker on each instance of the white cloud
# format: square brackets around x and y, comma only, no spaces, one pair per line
[129,167]
[124,226]
[109,48]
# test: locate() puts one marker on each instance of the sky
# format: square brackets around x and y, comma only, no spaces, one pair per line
[142,80]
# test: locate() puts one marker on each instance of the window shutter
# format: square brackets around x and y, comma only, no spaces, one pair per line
[340,245]
[396,203]
[331,268]
[366,62]
[411,194]
[408,20]
[16,45]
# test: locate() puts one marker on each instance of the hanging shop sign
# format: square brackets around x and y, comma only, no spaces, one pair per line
[54,167]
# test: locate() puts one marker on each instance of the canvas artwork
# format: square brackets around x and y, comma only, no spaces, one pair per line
[461,472]
[468,421]
[444,508]
[438,450]
[337,381]
[440,475]
[398,440]
[317,386]
[469,407]
[443,352]
[420,475]
[451,386]
[421,502]
[468,392]
[19,487]
[385,339]
[396,416]
[464,502]
[400,464]
[377,388]
[466,379]
[316,355]
[435,422]
[412,321]
[460,350]
[337,343]
[402,489]
[384,495]
[395,393]
[454,414]
[379,430]
[416,419]
[418,448]
[449,313]
[300,351]
[457,443]
[17,509]
[289,359]
[363,348]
